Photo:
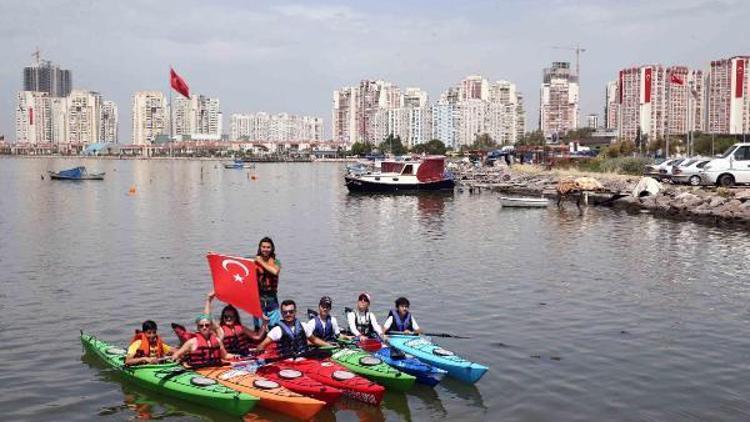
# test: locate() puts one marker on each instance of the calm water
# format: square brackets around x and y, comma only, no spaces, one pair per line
[600,316]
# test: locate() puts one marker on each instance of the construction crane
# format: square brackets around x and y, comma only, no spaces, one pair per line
[578,49]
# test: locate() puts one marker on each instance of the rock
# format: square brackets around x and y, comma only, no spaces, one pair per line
[716,201]
[742,195]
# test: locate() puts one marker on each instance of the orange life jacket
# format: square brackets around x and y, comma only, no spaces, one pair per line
[145,349]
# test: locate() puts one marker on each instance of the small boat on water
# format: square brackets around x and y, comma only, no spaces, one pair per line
[524,202]
[76,173]
[425,174]
[239,164]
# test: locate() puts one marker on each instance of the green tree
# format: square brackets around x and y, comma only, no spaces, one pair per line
[484,142]
[577,134]
[361,148]
[702,143]
[393,145]
[434,147]
[532,138]
[620,148]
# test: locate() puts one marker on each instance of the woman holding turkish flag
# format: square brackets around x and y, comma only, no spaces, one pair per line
[268,269]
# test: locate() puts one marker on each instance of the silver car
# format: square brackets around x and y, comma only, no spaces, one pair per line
[689,171]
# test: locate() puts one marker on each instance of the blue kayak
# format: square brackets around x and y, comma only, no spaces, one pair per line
[426,351]
[425,374]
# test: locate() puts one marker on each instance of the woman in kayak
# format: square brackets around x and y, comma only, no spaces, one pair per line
[146,346]
[362,323]
[237,338]
[268,269]
[400,319]
[203,349]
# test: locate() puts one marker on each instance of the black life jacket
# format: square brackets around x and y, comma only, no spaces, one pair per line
[399,324]
[324,331]
[207,352]
[364,325]
[235,340]
[292,342]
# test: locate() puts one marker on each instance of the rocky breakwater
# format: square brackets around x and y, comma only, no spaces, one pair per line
[703,204]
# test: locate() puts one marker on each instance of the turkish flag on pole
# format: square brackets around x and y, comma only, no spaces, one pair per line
[236,282]
[178,84]
[675,79]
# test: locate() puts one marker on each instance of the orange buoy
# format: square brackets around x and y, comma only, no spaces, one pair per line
[252,177]
[131,191]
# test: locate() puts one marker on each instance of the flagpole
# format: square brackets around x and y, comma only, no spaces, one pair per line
[171,112]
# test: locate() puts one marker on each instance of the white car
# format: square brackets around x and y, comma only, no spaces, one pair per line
[689,171]
[730,168]
[661,170]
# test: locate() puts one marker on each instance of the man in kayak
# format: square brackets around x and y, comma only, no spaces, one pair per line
[236,338]
[400,319]
[203,349]
[291,335]
[324,325]
[147,346]
[362,323]
[268,269]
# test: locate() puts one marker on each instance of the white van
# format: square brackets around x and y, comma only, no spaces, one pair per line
[732,167]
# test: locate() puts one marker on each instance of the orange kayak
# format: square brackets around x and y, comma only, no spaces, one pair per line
[271,394]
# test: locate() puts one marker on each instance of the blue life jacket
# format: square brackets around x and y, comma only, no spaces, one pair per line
[398,324]
[324,331]
[292,342]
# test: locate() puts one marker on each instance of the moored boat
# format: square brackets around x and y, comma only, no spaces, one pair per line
[239,164]
[76,173]
[424,174]
[172,380]
[426,351]
[523,202]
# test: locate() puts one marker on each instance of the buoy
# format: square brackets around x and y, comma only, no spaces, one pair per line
[252,177]
[131,191]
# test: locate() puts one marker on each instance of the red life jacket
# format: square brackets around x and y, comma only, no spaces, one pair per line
[235,340]
[145,349]
[268,284]
[207,352]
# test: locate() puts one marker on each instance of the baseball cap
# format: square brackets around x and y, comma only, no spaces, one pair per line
[366,296]
[325,300]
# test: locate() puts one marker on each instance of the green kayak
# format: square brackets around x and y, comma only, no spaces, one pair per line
[369,366]
[173,380]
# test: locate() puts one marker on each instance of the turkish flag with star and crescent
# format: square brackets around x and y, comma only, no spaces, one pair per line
[236,282]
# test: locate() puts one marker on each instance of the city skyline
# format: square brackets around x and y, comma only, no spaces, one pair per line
[289,57]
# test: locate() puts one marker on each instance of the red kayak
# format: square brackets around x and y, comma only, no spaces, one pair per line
[298,382]
[333,375]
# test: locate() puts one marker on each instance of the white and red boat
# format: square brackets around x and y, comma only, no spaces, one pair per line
[424,174]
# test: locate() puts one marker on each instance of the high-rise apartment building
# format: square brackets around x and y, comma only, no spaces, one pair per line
[343,115]
[280,127]
[109,131]
[558,109]
[33,122]
[84,110]
[592,121]
[46,77]
[150,117]
[728,99]
[198,118]
[611,105]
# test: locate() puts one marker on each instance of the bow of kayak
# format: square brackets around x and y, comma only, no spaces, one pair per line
[424,373]
[432,354]
[172,380]
[373,367]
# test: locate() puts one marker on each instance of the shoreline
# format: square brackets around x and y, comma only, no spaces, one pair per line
[705,205]
[141,158]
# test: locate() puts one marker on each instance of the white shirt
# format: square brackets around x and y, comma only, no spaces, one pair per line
[334,325]
[389,321]
[276,333]
[353,317]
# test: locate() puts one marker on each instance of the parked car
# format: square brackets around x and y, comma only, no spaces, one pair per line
[689,171]
[662,171]
[730,168]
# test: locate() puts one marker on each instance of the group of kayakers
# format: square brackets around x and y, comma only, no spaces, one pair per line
[228,339]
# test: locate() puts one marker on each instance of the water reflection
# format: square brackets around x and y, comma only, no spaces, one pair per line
[466,392]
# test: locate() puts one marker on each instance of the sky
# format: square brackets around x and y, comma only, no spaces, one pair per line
[279,56]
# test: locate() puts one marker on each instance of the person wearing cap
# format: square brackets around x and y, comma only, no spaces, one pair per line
[400,319]
[204,348]
[362,323]
[324,325]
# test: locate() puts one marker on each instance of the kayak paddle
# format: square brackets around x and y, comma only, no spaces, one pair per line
[444,335]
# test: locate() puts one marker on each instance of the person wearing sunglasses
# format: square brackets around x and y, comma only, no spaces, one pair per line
[236,338]
[362,323]
[400,319]
[147,346]
[290,334]
[204,348]
[324,325]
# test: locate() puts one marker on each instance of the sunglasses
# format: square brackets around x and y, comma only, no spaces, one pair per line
[228,316]
[325,307]
[204,325]
[289,312]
